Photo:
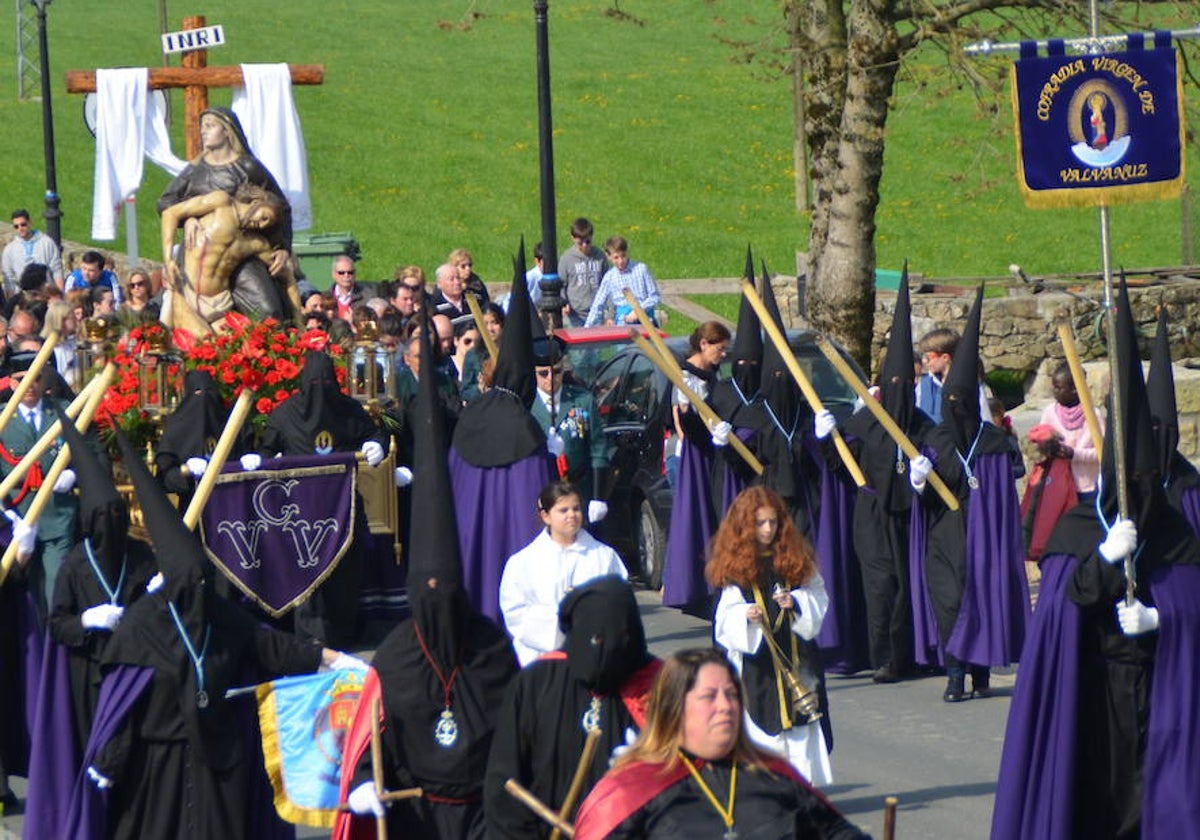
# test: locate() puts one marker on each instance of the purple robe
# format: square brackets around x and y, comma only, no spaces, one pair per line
[54,765]
[990,627]
[1035,792]
[87,815]
[692,526]
[496,509]
[1189,506]
[926,650]
[843,634]
[1171,797]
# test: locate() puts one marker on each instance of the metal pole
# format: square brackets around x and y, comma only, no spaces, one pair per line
[551,284]
[1090,46]
[52,215]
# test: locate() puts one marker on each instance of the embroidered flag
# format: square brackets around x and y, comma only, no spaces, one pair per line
[304,721]
[278,532]
[1099,129]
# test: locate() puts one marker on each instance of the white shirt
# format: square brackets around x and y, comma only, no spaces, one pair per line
[538,577]
[33,416]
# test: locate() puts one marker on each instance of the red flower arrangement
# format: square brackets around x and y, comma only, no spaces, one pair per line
[265,357]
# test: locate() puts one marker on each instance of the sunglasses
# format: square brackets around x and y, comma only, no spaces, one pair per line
[542,374]
[20,225]
[138,285]
[344,273]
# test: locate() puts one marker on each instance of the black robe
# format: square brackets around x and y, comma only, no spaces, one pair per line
[881,520]
[540,738]
[75,590]
[413,701]
[178,770]
[766,807]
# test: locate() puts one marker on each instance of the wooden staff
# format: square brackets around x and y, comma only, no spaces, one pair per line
[392,796]
[1081,388]
[806,388]
[27,382]
[477,314]
[706,412]
[538,807]
[241,409]
[377,766]
[43,495]
[885,420]
[889,818]
[665,361]
[51,433]
[581,771]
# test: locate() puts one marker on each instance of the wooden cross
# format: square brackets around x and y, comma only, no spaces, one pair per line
[195,77]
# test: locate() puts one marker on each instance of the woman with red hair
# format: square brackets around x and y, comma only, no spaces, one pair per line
[772,604]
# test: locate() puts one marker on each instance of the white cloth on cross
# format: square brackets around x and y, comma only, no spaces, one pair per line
[267,112]
[130,126]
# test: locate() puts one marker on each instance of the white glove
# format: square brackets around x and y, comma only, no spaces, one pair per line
[100,780]
[347,662]
[824,423]
[403,476]
[372,450]
[65,481]
[155,583]
[554,443]
[620,749]
[1121,541]
[251,461]
[196,466]
[364,800]
[720,433]
[919,469]
[1137,618]
[102,617]
[874,391]
[597,510]
[25,536]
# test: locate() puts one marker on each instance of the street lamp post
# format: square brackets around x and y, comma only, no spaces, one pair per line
[53,226]
[551,284]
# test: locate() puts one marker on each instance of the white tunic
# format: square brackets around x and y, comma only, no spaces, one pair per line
[803,746]
[538,577]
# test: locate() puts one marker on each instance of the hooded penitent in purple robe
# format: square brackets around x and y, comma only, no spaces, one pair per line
[843,635]
[692,526]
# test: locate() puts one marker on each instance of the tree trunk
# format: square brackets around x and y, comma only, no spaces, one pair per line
[841,288]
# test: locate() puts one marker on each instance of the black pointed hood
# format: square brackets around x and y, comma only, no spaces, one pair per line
[1143,480]
[514,362]
[960,393]
[496,429]
[103,513]
[196,424]
[746,355]
[778,389]
[434,575]
[178,551]
[1160,389]
[897,377]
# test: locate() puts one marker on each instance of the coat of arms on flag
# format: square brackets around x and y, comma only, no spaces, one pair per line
[304,721]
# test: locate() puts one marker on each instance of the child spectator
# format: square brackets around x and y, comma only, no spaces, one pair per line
[625,274]
[936,350]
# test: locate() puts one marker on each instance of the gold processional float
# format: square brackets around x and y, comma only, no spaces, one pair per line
[370,382]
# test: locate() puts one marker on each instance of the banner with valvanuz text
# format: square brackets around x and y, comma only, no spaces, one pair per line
[1098,129]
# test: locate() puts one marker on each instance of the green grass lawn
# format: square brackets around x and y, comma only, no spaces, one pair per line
[423,138]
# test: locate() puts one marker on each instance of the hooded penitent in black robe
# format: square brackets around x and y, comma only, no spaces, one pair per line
[191,431]
[104,567]
[884,503]
[176,760]
[1104,728]
[498,460]
[441,675]
[320,419]
[601,678]
[974,556]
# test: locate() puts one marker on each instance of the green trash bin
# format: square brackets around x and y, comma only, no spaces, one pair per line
[315,253]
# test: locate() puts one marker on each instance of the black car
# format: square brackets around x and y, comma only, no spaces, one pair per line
[634,402]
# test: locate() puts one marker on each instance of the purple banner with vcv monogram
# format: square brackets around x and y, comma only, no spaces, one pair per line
[279,531]
[1099,129]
